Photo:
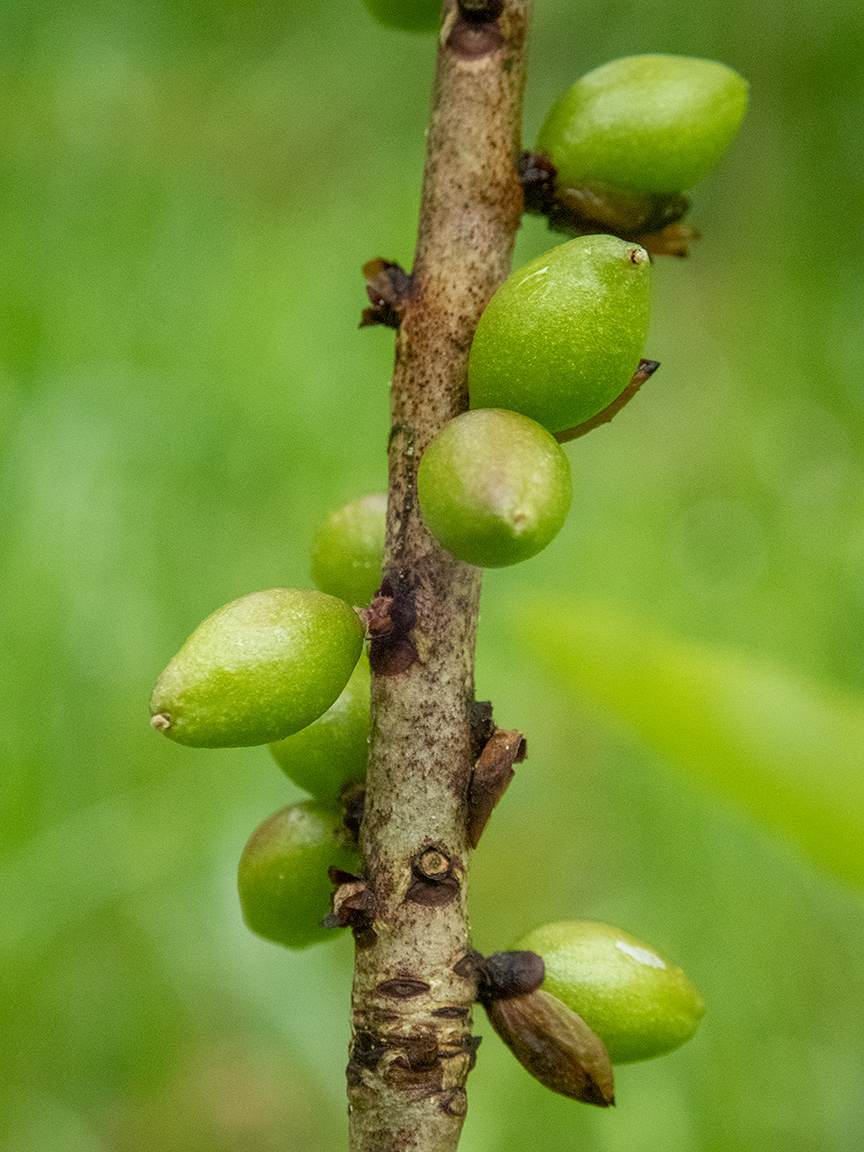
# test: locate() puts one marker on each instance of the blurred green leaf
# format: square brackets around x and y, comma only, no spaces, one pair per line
[785,750]
[189,192]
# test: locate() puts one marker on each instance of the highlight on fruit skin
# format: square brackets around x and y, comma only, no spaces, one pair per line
[331,752]
[638,1005]
[282,878]
[407,15]
[258,669]
[348,549]
[494,487]
[645,123]
[563,335]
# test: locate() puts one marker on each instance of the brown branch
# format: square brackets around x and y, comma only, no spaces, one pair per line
[412,1046]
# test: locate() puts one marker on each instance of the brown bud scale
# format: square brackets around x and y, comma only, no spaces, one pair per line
[556,1046]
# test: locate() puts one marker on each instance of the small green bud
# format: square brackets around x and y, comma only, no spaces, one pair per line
[407,15]
[348,550]
[638,1005]
[645,123]
[494,487]
[258,669]
[562,337]
[331,751]
[282,879]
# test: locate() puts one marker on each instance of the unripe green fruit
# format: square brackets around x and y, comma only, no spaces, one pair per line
[282,879]
[407,15]
[562,337]
[348,549]
[332,751]
[494,487]
[646,123]
[637,1004]
[258,669]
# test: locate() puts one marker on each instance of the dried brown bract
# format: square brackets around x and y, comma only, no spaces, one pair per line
[555,1045]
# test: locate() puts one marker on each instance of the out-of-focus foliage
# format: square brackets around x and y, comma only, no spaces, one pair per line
[786,751]
[188,192]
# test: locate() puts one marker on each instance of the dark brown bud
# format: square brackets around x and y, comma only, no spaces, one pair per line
[353,801]
[482,725]
[389,288]
[555,1045]
[390,620]
[505,975]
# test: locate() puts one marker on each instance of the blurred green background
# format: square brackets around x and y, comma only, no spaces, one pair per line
[187,194]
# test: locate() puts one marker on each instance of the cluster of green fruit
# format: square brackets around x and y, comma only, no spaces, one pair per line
[562,338]
[285,667]
[559,342]
[281,667]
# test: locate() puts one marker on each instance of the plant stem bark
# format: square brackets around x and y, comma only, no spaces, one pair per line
[412,1047]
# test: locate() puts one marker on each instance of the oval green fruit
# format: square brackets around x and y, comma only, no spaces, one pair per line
[562,337]
[332,751]
[348,549]
[282,879]
[494,487]
[407,15]
[258,669]
[645,123]
[638,1005]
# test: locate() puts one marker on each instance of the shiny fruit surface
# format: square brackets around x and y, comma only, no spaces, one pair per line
[644,123]
[348,550]
[331,751]
[638,1005]
[282,878]
[258,669]
[494,487]
[562,336]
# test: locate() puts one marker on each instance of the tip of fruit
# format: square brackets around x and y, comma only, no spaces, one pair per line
[160,722]
[639,256]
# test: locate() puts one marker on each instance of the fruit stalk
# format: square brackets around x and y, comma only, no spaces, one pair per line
[411,1046]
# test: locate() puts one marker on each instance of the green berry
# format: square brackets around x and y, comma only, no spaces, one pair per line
[258,669]
[407,15]
[646,123]
[637,1004]
[332,751]
[348,550]
[494,487]
[562,337]
[282,879]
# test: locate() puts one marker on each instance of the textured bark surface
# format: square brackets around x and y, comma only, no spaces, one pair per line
[412,1046]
